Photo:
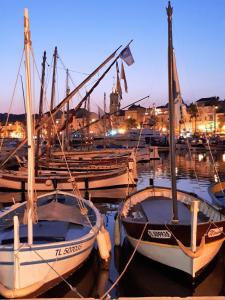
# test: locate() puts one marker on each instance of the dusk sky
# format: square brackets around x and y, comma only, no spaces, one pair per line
[87,31]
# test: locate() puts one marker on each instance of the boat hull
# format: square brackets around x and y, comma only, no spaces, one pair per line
[13,181]
[174,257]
[44,263]
[171,243]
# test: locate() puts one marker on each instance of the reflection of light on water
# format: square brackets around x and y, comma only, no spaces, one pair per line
[215,178]
[200,157]
[224,157]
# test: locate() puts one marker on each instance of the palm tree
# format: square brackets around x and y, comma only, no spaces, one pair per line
[193,111]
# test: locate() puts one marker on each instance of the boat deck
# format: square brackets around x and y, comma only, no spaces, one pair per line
[57,221]
[158,210]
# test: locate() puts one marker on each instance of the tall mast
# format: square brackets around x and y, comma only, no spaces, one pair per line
[171,114]
[67,109]
[50,125]
[30,189]
[40,111]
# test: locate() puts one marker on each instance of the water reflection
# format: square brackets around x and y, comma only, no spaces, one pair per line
[144,277]
[148,278]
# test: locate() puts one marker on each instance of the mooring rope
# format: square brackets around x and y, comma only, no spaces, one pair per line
[59,275]
[127,264]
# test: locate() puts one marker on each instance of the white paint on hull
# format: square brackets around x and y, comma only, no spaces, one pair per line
[174,257]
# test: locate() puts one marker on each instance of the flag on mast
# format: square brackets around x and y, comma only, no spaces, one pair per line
[118,86]
[123,77]
[127,56]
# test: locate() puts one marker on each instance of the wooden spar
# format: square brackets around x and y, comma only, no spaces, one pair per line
[89,93]
[50,124]
[171,114]
[110,114]
[104,120]
[40,111]
[66,100]
[30,189]
[67,109]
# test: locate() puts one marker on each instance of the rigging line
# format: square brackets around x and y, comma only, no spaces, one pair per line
[73,71]
[75,189]
[64,67]
[80,202]
[110,114]
[90,83]
[127,265]
[12,98]
[59,275]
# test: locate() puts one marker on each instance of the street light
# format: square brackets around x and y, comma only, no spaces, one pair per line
[214,117]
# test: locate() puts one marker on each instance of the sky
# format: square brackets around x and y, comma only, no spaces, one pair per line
[87,31]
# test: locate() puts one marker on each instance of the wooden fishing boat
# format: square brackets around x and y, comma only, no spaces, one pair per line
[185,245]
[170,226]
[50,180]
[62,240]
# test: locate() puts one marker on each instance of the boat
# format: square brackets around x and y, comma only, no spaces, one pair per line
[184,246]
[50,180]
[145,278]
[45,238]
[173,227]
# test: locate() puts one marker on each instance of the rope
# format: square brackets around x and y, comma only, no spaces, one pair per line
[125,268]
[75,189]
[12,98]
[59,275]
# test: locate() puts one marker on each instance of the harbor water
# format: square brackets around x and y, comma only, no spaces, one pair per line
[144,277]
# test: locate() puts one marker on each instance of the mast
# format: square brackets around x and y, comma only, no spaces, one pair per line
[50,125]
[69,97]
[104,121]
[30,189]
[40,111]
[171,114]
[67,109]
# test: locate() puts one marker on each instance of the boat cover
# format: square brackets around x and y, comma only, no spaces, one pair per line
[55,211]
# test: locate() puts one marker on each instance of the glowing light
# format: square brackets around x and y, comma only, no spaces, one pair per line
[121,130]
[200,157]
[216,178]
[223,157]
[128,117]
[113,132]
[201,127]
[164,129]
[92,120]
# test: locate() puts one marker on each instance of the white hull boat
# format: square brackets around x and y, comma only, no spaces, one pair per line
[17,180]
[168,243]
[59,246]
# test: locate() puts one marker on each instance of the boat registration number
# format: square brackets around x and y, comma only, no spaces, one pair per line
[215,232]
[159,234]
[67,250]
